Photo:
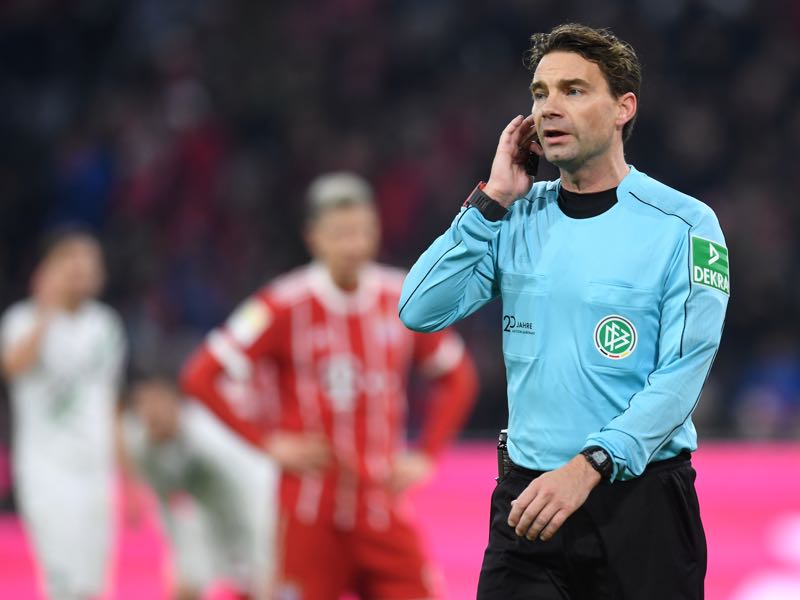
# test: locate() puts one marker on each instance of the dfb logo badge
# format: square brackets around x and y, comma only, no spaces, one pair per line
[615,337]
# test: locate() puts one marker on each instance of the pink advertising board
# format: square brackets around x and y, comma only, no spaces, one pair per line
[749,494]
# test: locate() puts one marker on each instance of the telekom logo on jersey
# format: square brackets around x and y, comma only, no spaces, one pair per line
[343,378]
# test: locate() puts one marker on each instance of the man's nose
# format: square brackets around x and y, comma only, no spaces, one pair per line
[354,248]
[551,106]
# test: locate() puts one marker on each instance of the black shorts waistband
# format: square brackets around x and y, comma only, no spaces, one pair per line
[684,457]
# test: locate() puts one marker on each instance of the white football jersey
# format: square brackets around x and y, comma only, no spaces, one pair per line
[233,484]
[205,459]
[63,406]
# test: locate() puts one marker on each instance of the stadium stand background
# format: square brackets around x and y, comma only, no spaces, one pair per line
[185,132]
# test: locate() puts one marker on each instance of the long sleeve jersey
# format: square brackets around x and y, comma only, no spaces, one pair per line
[342,362]
[64,404]
[610,324]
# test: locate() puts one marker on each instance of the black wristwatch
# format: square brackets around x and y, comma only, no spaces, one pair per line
[490,208]
[600,461]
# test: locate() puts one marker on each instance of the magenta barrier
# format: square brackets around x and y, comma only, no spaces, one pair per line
[750,502]
[749,493]
[5,471]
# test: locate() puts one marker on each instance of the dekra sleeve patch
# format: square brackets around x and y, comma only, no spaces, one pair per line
[710,264]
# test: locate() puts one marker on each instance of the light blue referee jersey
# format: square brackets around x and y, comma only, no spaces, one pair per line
[610,323]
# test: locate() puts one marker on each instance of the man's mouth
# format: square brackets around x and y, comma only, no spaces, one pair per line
[555,136]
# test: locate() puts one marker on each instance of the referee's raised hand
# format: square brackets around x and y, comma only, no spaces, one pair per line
[508,179]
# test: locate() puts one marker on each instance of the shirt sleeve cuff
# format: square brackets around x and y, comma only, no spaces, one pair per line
[474,225]
[606,440]
[488,206]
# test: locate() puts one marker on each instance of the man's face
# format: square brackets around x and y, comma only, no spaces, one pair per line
[573,108]
[157,406]
[344,239]
[78,266]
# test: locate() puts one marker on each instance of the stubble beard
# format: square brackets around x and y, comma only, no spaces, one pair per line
[577,157]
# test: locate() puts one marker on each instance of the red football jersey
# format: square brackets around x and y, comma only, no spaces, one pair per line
[340,363]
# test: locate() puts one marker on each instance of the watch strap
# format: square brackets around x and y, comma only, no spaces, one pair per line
[490,208]
[600,461]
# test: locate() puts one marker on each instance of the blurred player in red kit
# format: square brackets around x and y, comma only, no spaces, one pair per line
[342,358]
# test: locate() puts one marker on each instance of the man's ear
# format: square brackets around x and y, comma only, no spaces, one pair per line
[627,104]
[310,238]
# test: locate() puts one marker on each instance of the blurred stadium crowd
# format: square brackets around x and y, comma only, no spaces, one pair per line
[185,132]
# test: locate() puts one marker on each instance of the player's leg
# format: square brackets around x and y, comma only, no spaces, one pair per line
[313,561]
[243,523]
[651,528]
[92,532]
[515,568]
[194,560]
[69,521]
[260,516]
[392,563]
[242,542]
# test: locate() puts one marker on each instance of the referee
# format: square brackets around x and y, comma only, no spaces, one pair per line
[614,289]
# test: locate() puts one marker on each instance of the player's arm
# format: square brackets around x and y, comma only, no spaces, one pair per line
[133,487]
[456,275]
[453,386]
[254,331]
[113,350]
[199,379]
[125,462]
[21,337]
[451,393]
[692,318]
[20,355]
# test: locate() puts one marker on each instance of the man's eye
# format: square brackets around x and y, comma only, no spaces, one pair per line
[574,92]
[538,96]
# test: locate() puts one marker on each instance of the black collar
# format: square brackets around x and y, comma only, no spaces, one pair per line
[584,206]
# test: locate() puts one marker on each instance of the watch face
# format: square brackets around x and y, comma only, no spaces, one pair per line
[599,457]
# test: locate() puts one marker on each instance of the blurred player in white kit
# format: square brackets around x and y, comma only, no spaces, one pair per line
[226,531]
[62,354]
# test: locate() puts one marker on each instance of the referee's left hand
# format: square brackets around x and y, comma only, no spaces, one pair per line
[551,498]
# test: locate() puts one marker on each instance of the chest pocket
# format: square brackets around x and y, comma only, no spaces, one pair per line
[620,326]
[524,305]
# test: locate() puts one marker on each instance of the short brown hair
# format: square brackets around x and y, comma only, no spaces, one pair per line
[61,235]
[617,59]
[336,190]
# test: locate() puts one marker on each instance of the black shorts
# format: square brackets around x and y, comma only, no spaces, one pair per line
[632,540]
